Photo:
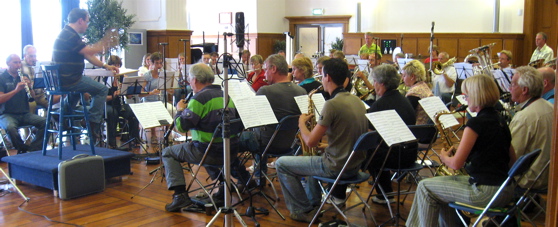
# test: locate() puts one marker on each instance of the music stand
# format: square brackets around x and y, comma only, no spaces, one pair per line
[395,133]
[464,70]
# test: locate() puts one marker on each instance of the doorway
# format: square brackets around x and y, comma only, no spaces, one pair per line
[314,40]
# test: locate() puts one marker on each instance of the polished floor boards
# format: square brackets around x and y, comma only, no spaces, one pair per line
[116,207]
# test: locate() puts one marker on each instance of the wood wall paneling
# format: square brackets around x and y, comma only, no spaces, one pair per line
[172,37]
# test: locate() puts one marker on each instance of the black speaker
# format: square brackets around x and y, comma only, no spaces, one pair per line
[239,25]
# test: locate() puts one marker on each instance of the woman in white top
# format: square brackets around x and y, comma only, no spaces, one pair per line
[146,62]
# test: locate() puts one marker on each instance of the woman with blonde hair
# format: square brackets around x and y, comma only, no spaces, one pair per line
[414,75]
[145,64]
[302,74]
[486,154]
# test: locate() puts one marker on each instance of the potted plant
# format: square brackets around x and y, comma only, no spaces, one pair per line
[337,44]
[105,15]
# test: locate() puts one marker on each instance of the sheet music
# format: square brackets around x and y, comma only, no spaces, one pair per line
[131,81]
[255,111]
[124,71]
[462,101]
[239,89]
[362,64]
[391,127]
[317,98]
[433,105]
[97,72]
[403,61]
[366,106]
[151,114]
[503,83]
[464,70]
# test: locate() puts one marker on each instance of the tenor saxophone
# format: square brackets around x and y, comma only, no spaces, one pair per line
[443,169]
[310,124]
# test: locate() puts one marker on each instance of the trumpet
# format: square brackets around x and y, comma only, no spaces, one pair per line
[30,97]
[438,67]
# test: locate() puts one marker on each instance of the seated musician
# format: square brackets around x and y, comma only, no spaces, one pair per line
[343,121]
[433,53]
[549,77]
[542,51]
[531,126]
[504,58]
[214,64]
[302,73]
[200,115]
[115,107]
[414,76]
[14,107]
[444,84]
[486,154]
[257,77]
[280,94]
[386,81]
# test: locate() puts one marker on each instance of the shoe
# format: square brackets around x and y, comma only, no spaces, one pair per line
[305,217]
[241,186]
[271,165]
[338,202]
[178,202]
[381,200]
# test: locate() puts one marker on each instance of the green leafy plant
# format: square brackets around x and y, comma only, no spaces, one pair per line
[279,45]
[105,15]
[337,44]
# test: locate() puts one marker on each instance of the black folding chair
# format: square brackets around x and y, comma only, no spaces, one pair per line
[519,167]
[367,141]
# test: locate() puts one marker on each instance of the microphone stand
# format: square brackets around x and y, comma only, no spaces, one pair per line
[227,209]
[429,78]
[164,74]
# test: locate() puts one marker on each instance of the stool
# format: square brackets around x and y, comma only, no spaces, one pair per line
[67,114]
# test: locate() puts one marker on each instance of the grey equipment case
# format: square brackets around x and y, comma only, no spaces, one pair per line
[81,175]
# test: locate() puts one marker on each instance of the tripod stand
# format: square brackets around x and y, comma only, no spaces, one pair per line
[227,209]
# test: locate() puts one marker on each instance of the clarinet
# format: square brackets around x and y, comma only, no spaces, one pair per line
[167,133]
[29,96]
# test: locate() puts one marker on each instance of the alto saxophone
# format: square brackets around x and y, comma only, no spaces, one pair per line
[310,124]
[443,169]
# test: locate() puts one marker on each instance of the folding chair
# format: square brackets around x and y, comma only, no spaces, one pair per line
[287,125]
[236,128]
[519,167]
[529,198]
[367,141]
[426,135]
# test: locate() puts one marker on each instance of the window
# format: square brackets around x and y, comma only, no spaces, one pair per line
[10,13]
[46,19]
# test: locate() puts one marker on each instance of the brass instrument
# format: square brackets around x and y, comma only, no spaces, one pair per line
[30,97]
[551,62]
[359,88]
[443,169]
[310,124]
[536,63]
[438,67]
[483,54]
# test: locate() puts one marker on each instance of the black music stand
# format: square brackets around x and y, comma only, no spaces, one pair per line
[131,86]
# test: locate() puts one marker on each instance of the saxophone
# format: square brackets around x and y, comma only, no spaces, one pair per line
[443,169]
[310,124]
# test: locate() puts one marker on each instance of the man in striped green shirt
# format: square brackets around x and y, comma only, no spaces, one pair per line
[200,116]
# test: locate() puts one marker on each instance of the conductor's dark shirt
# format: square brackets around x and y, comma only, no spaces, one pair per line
[67,46]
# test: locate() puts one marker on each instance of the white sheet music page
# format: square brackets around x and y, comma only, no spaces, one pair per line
[433,105]
[319,102]
[391,127]
[302,103]
[239,89]
[151,114]
[462,101]
[255,111]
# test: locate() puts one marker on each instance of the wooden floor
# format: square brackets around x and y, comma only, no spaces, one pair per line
[121,204]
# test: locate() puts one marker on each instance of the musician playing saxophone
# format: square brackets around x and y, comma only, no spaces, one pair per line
[486,153]
[443,84]
[343,121]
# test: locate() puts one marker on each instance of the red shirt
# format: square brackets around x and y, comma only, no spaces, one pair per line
[259,82]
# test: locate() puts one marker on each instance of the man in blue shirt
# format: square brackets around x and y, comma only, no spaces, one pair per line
[549,76]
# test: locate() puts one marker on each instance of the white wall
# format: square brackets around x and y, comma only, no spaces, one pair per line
[267,16]
[417,15]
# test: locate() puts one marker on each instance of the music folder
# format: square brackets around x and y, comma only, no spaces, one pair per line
[131,85]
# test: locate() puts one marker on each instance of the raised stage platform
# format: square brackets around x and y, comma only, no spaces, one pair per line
[36,169]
